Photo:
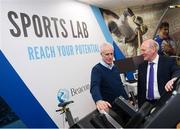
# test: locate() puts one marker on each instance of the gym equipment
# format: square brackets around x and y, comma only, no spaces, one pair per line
[164,114]
[66,110]
[167,114]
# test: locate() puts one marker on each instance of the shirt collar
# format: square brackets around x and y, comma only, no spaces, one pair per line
[155,61]
[107,65]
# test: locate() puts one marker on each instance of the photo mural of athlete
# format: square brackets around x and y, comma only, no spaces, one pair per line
[123,34]
[166,44]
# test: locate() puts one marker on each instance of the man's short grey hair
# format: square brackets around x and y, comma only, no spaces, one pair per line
[153,43]
[156,45]
[103,45]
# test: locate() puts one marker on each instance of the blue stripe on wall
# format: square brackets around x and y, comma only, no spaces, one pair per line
[102,24]
[117,53]
[15,92]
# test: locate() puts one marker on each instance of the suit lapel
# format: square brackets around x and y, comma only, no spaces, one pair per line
[145,73]
[159,71]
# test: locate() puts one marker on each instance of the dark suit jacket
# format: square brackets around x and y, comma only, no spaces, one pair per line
[167,69]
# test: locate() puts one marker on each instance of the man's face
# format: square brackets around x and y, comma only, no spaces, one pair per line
[107,55]
[164,32]
[147,52]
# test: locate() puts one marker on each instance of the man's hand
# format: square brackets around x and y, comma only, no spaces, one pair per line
[103,105]
[166,47]
[169,84]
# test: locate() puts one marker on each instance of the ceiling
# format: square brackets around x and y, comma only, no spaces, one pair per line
[117,4]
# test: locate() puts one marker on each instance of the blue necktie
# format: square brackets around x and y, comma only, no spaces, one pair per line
[151,82]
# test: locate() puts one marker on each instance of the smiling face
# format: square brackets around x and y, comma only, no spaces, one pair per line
[149,50]
[107,53]
[164,32]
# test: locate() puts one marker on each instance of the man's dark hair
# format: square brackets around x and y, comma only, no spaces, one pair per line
[164,24]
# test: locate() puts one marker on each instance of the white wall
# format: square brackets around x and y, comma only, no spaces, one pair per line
[47,63]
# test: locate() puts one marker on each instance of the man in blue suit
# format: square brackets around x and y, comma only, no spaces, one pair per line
[165,72]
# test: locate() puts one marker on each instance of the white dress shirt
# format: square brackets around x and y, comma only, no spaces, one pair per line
[107,65]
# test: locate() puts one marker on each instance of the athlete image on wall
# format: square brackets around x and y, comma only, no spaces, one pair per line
[123,33]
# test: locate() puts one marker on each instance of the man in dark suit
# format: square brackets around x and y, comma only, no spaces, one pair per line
[165,72]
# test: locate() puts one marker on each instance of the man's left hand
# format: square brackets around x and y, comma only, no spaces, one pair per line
[169,84]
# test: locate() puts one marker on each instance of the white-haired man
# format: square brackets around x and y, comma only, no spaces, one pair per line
[156,74]
[106,83]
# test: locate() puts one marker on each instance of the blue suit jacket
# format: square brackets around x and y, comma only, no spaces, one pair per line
[167,69]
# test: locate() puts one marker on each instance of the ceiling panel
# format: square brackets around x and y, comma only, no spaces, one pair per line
[117,4]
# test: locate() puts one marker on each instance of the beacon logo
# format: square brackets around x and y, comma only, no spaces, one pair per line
[63,95]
